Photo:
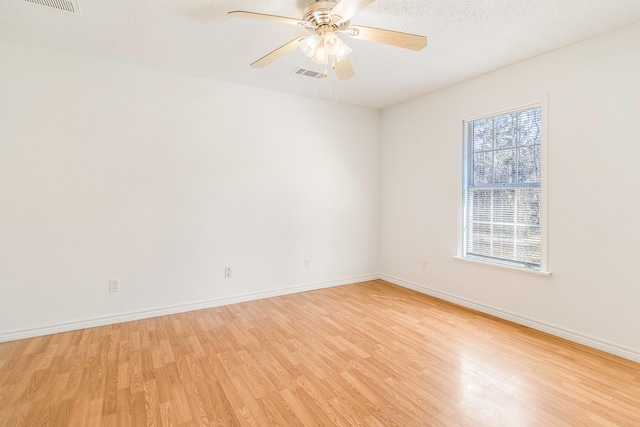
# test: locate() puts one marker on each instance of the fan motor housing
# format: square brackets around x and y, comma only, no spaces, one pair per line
[319,15]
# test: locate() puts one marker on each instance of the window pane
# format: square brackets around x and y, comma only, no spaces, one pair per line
[505,130]
[483,168]
[503,206]
[505,167]
[528,206]
[483,135]
[481,239]
[529,164]
[529,127]
[528,244]
[481,205]
[503,241]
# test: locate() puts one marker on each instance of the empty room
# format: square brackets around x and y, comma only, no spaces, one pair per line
[298,213]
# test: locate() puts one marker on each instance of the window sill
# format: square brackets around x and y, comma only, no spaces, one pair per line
[498,265]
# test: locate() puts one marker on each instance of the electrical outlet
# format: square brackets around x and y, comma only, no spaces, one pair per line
[114,285]
[424,264]
[227,272]
[307,263]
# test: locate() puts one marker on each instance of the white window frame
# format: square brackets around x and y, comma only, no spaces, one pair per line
[461,253]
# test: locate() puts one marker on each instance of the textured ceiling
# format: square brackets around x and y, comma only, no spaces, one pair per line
[466,38]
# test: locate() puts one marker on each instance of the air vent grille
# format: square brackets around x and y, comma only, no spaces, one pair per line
[309,73]
[63,5]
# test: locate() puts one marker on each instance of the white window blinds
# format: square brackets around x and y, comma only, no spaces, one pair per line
[502,188]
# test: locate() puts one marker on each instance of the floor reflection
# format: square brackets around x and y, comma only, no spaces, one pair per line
[491,395]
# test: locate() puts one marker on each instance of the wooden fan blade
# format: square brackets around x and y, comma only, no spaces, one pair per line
[345,9]
[278,53]
[265,17]
[344,70]
[393,38]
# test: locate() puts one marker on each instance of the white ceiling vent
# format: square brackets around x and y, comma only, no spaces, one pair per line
[309,73]
[69,6]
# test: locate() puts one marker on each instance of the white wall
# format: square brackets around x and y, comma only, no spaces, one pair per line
[161,180]
[593,204]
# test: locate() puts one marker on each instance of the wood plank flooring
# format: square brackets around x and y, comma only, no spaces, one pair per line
[369,354]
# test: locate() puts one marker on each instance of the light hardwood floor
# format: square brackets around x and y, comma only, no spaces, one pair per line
[370,354]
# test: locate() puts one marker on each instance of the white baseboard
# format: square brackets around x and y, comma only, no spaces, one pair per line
[534,324]
[145,314]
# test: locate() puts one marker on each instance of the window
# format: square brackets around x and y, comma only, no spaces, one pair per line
[502,188]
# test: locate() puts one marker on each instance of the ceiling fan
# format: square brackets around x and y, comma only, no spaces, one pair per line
[325,19]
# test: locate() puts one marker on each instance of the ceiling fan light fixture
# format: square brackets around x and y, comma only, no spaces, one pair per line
[336,48]
[314,47]
[320,55]
[324,47]
[308,45]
